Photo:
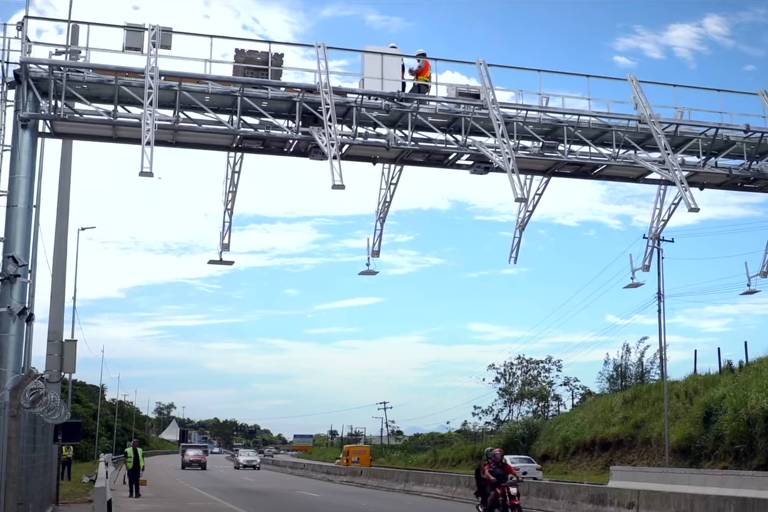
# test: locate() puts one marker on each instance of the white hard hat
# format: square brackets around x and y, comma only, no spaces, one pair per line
[421,51]
[393,45]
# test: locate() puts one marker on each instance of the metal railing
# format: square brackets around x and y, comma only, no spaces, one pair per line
[103,43]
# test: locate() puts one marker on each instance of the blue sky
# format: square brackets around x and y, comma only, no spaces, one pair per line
[291,332]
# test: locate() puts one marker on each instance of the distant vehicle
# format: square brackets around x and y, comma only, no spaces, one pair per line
[247,459]
[194,457]
[356,455]
[199,446]
[528,467]
[269,452]
[216,450]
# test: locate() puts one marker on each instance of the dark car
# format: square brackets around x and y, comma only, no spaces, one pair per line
[194,457]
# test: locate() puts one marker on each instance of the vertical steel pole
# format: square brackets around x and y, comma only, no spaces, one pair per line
[133,423]
[98,408]
[695,361]
[18,232]
[746,353]
[55,342]
[29,339]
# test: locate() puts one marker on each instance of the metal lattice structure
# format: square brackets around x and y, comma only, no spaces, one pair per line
[390,178]
[625,136]
[231,184]
[149,112]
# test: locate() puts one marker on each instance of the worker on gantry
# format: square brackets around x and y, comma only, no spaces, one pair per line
[422,74]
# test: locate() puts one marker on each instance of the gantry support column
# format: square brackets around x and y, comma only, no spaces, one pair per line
[231,184]
[390,178]
[672,171]
[525,212]
[14,311]
[328,139]
[149,114]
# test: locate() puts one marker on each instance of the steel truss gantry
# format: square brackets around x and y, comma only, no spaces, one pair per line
[390,178]
[530,142]
[762,273]
[328,139]
[149,112]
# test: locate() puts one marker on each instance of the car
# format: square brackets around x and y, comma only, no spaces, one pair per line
[215,449]
[194,457]
[269,452]
[528,467]
[247,459]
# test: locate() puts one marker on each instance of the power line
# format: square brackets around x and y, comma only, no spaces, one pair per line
[319,413]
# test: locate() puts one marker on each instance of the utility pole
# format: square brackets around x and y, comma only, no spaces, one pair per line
[695,360]
[662,320]
[98,408]
[746,353]
[117,406]
[133,424]
[385,407]
[147,422]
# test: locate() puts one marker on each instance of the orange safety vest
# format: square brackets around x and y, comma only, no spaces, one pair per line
[424,74]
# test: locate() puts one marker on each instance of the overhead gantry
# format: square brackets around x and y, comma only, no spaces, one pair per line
[158,97]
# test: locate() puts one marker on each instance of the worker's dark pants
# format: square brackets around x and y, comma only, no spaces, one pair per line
[134,474]
[419,88]
[66,466]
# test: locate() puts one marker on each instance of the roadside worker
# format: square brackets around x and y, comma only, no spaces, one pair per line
[422,73]
[134,465]
[67,452]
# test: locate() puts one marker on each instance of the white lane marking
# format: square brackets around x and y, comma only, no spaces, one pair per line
[211,496]
[308,493]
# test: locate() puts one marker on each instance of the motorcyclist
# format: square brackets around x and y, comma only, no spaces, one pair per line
[497,471]
[481,486]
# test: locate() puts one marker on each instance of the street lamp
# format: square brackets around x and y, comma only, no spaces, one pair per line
[74,305]
[761,274]
[368,271]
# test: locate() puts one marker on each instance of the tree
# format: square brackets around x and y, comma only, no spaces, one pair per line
[575,390]
[525,386]
[631,366]
[163,412]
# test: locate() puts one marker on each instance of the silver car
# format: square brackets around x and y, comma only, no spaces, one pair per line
[528,467]
[247,459]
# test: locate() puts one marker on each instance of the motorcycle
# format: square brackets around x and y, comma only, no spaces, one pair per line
[506,498]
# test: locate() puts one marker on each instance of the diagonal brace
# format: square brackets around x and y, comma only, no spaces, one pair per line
[662,213]
[231,184]
[525,211]
[674,172]
[504,157]
[390,178]
[330,143]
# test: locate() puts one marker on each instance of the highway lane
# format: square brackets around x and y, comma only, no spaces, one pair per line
[222,489]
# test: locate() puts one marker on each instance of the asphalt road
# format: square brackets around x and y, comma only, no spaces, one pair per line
[222,489]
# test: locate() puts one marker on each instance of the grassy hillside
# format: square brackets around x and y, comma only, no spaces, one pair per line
[715,421]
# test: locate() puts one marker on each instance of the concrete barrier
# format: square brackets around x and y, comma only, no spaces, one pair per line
[752,484]
[102,495]
[539,496]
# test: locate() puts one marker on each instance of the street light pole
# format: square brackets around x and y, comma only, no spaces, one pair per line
[74,305]
[662,320]
[117,406]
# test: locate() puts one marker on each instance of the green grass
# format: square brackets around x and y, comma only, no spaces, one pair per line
[76,491]
[715,421]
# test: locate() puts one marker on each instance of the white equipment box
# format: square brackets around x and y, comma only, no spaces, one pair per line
[382,72]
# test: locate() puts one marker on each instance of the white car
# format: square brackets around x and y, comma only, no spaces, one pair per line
[247,459]
[528,467]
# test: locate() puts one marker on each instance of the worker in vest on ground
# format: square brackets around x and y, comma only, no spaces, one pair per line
[67,452]
[134,465]
[422,74]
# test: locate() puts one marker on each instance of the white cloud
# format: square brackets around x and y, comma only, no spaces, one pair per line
[623,62]
[684,40]
[370,16]
[510,271]
[331,330]
[749,67]
[292,292]
[350,303]
[493,332]
[632,320]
